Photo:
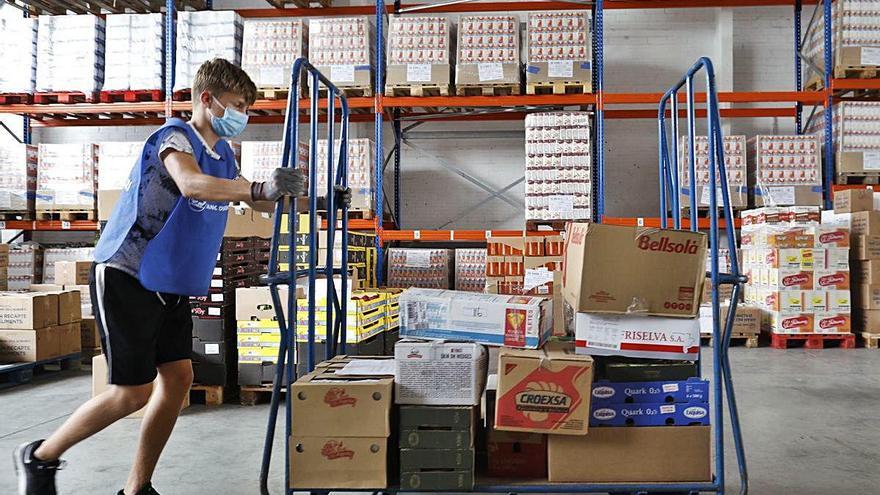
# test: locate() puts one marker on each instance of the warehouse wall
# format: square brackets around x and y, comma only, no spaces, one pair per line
[645,51]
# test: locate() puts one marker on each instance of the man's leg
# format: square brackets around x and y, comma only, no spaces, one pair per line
[98,413]
[175,379]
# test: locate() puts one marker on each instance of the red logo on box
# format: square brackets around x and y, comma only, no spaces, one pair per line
[797,279]
[515,328]
[336,397]
[832,280]
[665,245]
[336,450]
[544,399]
[797,322]
[830,237]
[834,321]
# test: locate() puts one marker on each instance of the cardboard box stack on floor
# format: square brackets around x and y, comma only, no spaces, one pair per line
[74,275]
[18,178]
[798,270]
[4,267]
[51,256]
[39,326]
[257,334]
[419,54]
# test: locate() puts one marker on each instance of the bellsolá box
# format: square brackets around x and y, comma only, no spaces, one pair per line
[614,269]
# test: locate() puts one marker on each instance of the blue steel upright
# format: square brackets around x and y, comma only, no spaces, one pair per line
[337,175]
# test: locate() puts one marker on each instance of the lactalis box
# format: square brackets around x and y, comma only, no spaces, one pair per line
[826,322]
[650,337]
[831,280]
[72,272]
[853,200]
[613,269]
[543,391]
[512,321]
[676,391]
[338,462]
[864,248]
[790,323]
[439,373]
[28,310]
[865,223]
[327,404]
[610,455]
[655,414]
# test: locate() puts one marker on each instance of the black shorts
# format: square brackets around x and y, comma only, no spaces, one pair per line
[139,329]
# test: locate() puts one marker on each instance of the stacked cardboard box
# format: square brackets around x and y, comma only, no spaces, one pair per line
[559,48]
[392,316]
[419,52]
[788,170]
[36,326]
[798,270]
[523,265]
[420,267]
[360,172]
[735,164]
[257,334]
[653,403]
[74,275]
[342,48]
[70,53]
[19,36]
[470,270]
[360,255]
[856,136]
[341,417]
[54,255]
[855,36]
[558,166]
[25,266]
[204,35]
[67,177]
[437,447]
[115,163]
[270,47]
[135,55]
[18,177]
[488,51]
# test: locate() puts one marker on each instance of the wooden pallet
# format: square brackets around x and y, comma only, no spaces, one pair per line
[19,373]
[871,340]
[848,178]
[88,353]
[64,97]
[273,93]
[812,340]
[212,395]
[559,88]
[417,90]
[16,215]
[349,92]
[251,395]
[750,341]
[282,4]
[817,82]
[181,95]
[487,89]
[66,215]
[534,225]
[131,95]
[16,98]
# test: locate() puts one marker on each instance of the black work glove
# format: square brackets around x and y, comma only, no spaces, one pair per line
[342,197]
[283,182]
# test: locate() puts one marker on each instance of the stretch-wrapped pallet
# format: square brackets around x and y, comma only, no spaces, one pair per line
[342,49]
[135,52]
[18,177]
[70,53]
[735,166]
[202,36]
[269,49]
[66,177]
[18,36]
[419,51]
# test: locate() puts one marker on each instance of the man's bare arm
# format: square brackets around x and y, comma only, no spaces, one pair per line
[197,185]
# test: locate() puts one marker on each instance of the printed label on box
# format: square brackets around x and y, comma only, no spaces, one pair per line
[562,205]
[212,349]
[780,195]
[272,76]
[871,159]
[536,277]
[418,72]
[418,259]
[342,73]
[560,68]
[870,55]
[704,195]
[490,71]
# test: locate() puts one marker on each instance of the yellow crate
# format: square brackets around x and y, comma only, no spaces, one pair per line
[257,326]
[353,335]
[257,339]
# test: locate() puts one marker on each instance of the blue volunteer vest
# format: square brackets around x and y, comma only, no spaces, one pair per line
[180,259]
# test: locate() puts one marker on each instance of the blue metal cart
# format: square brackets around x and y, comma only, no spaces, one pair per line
[669,194]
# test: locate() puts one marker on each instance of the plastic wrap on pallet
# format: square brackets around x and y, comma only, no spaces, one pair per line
[25,265]
[260,158]
[470,269]
[66,177]
[856,136]
[342,49]
[202,36]
[70,53]
[18,36]
[269,49]
[488,50]
[558,166]
[18,177]
[735,164]
[54,255]
[135,56]
[360,171]
[559,47]
[115,160]
[855,35]
[419,49]
[788,170]
[420,267]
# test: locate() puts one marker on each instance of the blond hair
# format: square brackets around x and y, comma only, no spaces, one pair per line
[220,76]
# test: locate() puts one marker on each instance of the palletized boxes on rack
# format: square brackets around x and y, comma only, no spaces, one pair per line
[54,255]
[135,55]
[419,54]
[488,52]
[855,37]
[270,47]
[856,136]
[115,162]
[735,164]
[470,270]
[25,266]
[788,170]
[257,334]
[342,49]
[360,172]
[19,38]
[202,36]
[420,267]
[512,321]
[558,166]
[437,447]
[66,177]
[260,158]
[559,49]
[70,53]
[18,177]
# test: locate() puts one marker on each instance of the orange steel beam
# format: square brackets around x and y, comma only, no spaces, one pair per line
[487,101]
[456,235]
[85,108]
[851,84]
[844,187]
[702,223]
[81,225]
[724,97]
[701,112]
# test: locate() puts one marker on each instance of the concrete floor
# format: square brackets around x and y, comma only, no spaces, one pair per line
[809,419]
